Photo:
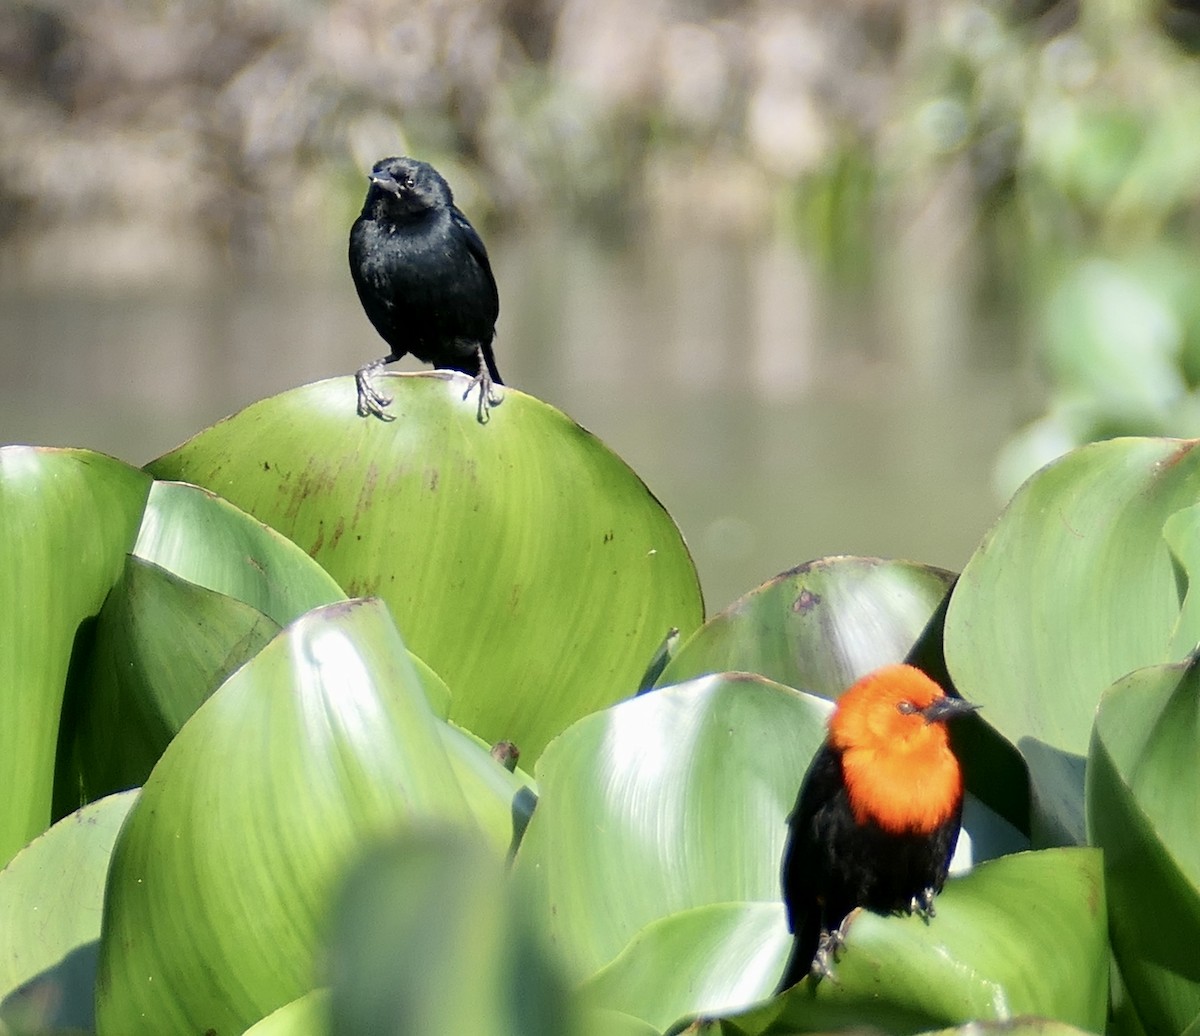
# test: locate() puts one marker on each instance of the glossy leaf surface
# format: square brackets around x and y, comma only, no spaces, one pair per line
[1143,800]
[219,883]
[819,627]
[51,895]
[1073,587]
[522,559]
[67,518]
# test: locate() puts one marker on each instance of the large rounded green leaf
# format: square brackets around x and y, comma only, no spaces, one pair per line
[1072,588]
[1021,935]
[819,627]
[522,559]
[673,800]
[1143,801]
[220,878]
[67,517]
[51,895]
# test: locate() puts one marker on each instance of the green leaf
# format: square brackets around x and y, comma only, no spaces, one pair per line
[819,627]
[656,845]
[206,540]
[51,895]
[1143,798]
[67,517]
[670,801]
[522,559]
[721,957]
[485,783]
[429,929]
[1073,587]
[616,1023]
[162,646]
[1021,935]
[307,1015]
[320,744]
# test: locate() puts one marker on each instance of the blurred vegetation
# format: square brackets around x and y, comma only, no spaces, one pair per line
[1035,163]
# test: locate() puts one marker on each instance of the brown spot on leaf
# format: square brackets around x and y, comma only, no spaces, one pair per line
[806,602]
[338,530]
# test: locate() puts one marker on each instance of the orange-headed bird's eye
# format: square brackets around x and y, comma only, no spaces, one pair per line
[906,707]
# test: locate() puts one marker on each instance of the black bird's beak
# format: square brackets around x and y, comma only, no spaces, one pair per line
[385,181]
[946,708]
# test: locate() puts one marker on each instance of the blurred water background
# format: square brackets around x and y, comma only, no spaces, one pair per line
[832,278]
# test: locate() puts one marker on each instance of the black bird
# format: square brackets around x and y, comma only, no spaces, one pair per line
[424,280]
[877,816]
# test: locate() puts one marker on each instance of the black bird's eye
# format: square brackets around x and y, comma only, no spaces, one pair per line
[409,182]
[906,708]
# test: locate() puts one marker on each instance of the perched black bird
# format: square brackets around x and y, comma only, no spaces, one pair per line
[877,816]
[424,279]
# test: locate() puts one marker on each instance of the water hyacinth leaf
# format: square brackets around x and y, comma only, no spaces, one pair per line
[669,801]
[162,646]
[701,961]
[1143,798]
[522,559]
[1073,587]
[207,541]
[51,895]
[616,1023]
[67,519]
[977,959]
[431,930]
[1016,1027]
[220,879]
[485,782]
[305,1016]
[819,627]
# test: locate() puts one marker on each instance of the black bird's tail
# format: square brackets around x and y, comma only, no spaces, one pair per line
[490,360]
[804,949]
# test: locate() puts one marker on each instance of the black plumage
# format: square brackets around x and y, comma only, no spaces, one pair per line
[833,864]
[424,279]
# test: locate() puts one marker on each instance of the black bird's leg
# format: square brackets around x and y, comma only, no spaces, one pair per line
[488,397]
[371,402]
[829,948]
[922,905]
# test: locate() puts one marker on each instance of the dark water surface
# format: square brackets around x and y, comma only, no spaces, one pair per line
[776,423]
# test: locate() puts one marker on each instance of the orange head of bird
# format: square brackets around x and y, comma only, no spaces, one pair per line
[890,729]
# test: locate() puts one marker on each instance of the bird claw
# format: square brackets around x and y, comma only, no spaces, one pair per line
[829,950]
[488,397]
[922,905]
[371,402]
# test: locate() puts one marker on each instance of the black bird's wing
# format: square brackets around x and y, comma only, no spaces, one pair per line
[805,877]
[470,237]
[475,246]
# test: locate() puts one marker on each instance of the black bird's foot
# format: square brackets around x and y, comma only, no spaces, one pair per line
[922,905]
[371,402]
[829,949]
[488,396]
